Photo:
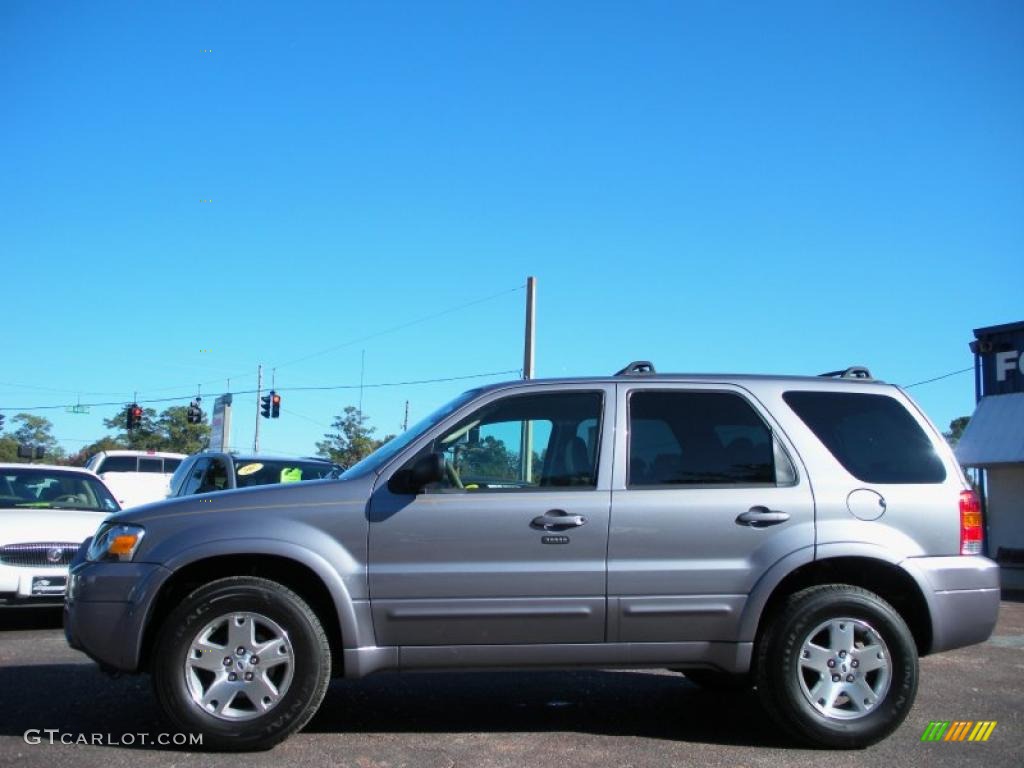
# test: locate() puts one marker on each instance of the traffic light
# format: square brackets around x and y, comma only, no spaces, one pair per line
[275,405]
[265,406]
[194,414]
[133,416]
[1,421]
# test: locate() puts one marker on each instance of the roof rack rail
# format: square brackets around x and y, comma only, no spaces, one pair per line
[853,372]
[637,368]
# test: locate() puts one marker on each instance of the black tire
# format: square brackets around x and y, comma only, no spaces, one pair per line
[716,680]
[308,671]
[785,677]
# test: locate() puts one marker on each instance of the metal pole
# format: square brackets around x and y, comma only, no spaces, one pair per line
[405,421]
[259,394]
[526,452]
[531,317]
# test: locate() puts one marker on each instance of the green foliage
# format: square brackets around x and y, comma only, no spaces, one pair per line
[352,439]
[170,431]
[34,431]
[486,459]
[9,449]
[956,430]
[106,443]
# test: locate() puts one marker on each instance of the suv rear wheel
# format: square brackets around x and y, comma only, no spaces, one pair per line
[837,667]
[244,661]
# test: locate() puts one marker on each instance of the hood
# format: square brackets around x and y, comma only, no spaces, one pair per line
[23,526]
[251,500]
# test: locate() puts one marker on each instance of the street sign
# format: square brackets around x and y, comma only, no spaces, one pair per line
[77,409]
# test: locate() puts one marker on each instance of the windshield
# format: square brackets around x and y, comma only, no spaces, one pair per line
[376,460]
[33,488]
[270,471]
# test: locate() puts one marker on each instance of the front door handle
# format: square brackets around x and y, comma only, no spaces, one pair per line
[556,520]
[759,517]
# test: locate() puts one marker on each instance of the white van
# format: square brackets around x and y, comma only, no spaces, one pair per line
[136,477]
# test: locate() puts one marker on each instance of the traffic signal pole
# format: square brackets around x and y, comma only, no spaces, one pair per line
[259,394]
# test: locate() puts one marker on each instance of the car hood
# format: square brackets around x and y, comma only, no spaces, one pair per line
[271,499]
[23,526]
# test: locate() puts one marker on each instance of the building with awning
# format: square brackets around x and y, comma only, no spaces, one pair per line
[994,443]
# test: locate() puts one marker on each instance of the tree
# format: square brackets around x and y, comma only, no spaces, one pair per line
[34,431]
[143,438]
[170,431]
[9,449]
[956,430]
[352,439]
[488,458]
[105,443]
[179,436]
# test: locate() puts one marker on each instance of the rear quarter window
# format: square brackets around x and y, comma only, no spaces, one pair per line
[873,436]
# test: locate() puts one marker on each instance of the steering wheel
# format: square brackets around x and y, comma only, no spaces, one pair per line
[67,497]
[453,477]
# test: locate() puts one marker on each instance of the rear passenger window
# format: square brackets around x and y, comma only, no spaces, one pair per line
[698,438]
[118,464]
[872,436]
[151,465]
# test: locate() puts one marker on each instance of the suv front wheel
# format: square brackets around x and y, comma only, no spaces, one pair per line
[242,660]
[837,667]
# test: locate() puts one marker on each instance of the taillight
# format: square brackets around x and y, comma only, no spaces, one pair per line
[970,523]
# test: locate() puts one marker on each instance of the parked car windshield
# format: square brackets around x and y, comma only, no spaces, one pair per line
[376,460]
[259,471]
[34,488]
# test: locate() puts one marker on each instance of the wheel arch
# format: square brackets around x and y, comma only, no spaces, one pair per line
[304,572]
[874,569]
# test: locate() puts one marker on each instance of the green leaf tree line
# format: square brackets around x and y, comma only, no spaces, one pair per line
[352,439]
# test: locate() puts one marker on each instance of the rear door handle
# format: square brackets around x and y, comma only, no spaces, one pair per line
[759,517]
[557,519]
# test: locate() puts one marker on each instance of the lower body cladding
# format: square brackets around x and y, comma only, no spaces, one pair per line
[728,657]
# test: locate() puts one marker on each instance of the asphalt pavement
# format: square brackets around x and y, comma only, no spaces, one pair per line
[521,719]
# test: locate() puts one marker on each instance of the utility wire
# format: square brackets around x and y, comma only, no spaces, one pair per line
[938,378]
[377,385]
[402,326]
[392,329]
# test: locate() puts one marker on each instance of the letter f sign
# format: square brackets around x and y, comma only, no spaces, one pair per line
[1005,363]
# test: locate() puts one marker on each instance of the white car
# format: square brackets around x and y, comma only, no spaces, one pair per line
[46,513]
[136,477]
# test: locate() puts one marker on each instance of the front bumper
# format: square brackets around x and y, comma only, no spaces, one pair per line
[32,585]
[107,607]
[963,598]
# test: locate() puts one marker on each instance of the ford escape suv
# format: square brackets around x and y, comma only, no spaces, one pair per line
[808,536]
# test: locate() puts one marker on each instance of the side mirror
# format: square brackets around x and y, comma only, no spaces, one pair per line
[414,477]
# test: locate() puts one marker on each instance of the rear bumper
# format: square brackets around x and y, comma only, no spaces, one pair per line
[106,610]
[962,595]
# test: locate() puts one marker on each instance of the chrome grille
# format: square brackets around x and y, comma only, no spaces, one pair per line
[38,554]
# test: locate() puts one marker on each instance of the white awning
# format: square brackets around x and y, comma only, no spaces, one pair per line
[995,434]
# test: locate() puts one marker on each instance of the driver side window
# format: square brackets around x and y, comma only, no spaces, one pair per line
[524,442]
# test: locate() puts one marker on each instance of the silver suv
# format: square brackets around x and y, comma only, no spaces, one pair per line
[810,536]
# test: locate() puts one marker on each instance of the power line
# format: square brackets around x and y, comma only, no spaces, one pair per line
[402,326]
[392,329]
[377,385]
[938,378]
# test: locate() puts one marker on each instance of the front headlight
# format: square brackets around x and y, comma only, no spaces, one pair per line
[115,542]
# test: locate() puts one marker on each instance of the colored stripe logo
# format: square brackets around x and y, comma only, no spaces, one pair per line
[958,730]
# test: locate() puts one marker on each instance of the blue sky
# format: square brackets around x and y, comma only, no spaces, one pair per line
[716,186]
